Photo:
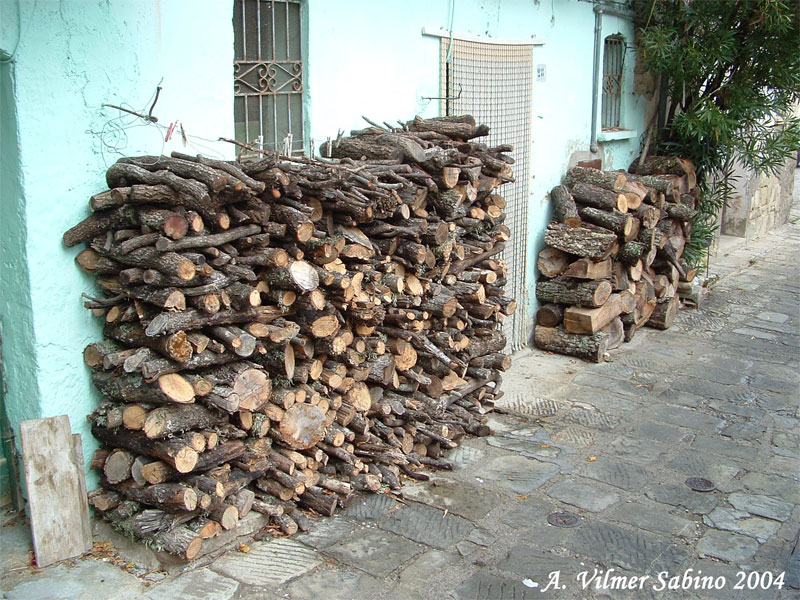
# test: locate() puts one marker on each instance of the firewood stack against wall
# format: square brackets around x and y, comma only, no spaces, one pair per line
[612,262]
[281,333]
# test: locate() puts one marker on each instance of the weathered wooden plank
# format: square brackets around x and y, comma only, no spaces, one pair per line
[77,456]
[54,478]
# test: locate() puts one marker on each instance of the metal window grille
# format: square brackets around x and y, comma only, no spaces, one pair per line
[268,74]
[613,59]
[494,83]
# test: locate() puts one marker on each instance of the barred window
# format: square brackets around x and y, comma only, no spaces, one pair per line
[268,74]
[613,59]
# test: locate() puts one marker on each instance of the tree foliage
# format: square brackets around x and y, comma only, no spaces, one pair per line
[731,73]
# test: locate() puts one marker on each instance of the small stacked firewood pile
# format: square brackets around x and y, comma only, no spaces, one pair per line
[283,332]
[613,258]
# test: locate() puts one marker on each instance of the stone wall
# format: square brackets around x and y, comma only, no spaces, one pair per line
[760,203]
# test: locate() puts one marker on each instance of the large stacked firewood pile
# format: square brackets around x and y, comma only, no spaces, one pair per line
[283,332]
[613,258]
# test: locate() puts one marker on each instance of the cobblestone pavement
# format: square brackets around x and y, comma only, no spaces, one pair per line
[714,397]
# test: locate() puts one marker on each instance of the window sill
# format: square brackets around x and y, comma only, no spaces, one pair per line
[613,135]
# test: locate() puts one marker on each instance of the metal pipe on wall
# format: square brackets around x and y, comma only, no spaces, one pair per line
[598,50]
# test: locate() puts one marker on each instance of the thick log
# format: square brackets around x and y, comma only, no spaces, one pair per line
[382,369]
[615,332]
[552,262]
[170,264]
[596,244]
[610,180]
[223,513]
[664,313]
[166,496]
[662,165]
[299,276]
[166,323]
[123,387]
[166,420]
[591,347]
[100,222]
[620,223]
[213,179]
[572,291]
[461,127]
[249,382]
[647,215]
[549,315]
[598,197]
[631,253]
[315,499]
[180,541]
[384,146]
[175,346]
[564,209]
[302,426]
[585,268]
[495,360]
[635,192]
[591,320]
[175,453]
[117,466]
[659,184]
[680,212]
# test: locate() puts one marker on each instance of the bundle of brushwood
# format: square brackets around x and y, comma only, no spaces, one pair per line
[282,332]
[612,263]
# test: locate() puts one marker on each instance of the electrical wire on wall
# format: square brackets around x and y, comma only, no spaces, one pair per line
[113,134]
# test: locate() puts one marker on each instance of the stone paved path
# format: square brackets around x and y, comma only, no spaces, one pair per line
[715,397]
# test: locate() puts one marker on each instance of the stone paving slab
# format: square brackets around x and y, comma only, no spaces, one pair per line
[638,451]
[428,525]
[775,485]
[372,507]
[584,494]
[78,580]
[529,512]
[574,436]
[620,474]
[203,584]
[740,521]
[515,474]
[268,563]
[336,584]
[666,434]
[763,506]
[637,551]
[327,532]
[654,517]
[473,502]
[682,496]
[720,470]
[426,567]
[730,547]
[375,551]
[465,455]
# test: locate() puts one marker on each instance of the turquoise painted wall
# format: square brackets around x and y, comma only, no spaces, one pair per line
[74,56]
[363,58]
[370,58]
